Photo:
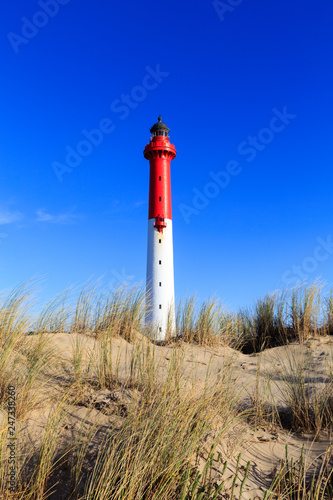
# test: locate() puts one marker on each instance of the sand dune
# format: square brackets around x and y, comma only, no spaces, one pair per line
[254,381]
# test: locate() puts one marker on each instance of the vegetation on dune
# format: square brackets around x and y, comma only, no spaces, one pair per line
[299,479]
[290,315]
[156,444]
[280,318]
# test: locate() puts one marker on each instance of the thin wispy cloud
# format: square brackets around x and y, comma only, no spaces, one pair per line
[65,218]
[139,203]
[118,206]
[8,217]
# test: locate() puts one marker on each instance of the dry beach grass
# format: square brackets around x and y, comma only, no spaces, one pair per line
[238,406]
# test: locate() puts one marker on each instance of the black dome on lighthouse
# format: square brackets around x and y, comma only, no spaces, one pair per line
[159,126]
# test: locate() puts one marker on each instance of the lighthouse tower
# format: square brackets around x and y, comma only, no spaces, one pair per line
[160,313]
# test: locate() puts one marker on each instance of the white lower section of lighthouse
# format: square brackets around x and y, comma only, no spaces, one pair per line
[160,312]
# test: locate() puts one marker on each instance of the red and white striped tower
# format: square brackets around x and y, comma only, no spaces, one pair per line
[160,313]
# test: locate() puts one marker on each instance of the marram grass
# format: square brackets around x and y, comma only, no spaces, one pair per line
[151,451]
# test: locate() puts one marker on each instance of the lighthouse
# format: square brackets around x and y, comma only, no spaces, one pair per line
[160,310]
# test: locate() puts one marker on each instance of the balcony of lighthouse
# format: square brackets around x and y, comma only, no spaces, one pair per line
[159,153]
[158,147]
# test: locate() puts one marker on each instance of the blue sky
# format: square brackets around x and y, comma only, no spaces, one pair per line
[245,87]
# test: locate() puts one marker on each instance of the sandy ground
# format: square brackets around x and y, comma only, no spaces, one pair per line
[264,446]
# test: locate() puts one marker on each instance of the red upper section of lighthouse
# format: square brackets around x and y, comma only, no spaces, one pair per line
[159,152]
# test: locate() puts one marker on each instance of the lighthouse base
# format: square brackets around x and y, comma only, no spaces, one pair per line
[160,307]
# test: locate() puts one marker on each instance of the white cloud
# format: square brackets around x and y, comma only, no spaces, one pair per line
[66,218]
[7,217]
